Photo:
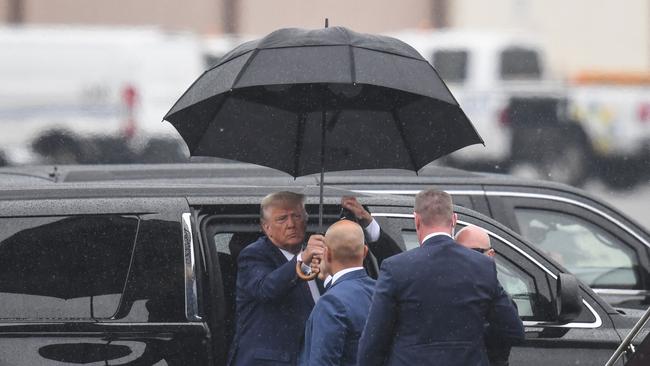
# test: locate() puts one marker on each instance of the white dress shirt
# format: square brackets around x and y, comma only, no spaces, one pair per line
[373,230]
[313,288]
[340,273]
[434,234]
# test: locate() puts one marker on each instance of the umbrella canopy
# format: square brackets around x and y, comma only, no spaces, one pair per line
[69,258]
[306,101]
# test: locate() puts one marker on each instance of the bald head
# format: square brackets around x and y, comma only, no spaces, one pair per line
[345,244]
[473,237]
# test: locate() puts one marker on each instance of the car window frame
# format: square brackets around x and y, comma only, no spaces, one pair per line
[504,204]
[538,262]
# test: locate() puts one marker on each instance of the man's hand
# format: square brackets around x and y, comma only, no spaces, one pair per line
[314,250]
[359,212]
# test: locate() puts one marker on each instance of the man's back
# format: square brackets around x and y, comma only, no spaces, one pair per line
[431,305]
[336,323]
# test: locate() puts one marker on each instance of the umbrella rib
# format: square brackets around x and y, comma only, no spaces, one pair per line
[353,68]
[300,130]
[129,271]
[243,69]
[400,128]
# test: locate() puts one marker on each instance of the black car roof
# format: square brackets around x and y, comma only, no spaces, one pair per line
[251,175]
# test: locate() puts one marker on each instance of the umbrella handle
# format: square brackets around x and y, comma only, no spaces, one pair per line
[301,275]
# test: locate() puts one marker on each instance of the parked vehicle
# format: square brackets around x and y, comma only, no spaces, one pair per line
[596,124]
[604,248]
[90,94]
[483,71]
[146,270]
[614,111]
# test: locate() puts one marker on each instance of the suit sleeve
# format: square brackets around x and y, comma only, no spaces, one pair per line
[329,332]
[504,326]
[258,276]
[384,247]
[376,339]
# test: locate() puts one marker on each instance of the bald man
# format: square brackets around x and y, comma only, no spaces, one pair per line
[475,238]
[335,324]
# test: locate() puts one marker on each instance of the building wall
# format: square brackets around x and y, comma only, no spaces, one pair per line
[263,16]
[579,34]
[197,15]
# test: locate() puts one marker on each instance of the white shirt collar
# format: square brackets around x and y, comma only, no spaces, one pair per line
[340,273]
[287,254]
[435,234]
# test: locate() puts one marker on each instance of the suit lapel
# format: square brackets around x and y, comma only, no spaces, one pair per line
[280,259]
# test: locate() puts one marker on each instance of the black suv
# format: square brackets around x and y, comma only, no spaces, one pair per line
[143,272]
[601,246]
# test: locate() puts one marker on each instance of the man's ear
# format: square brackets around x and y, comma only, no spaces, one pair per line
[454,219]
[365,251]
[416,217]
[265,226]
[327,254]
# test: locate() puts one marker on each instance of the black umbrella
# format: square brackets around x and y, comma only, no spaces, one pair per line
[69,258]
[308,101]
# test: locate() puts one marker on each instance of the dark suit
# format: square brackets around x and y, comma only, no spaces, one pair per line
[333,329]
[272,307]
[431,305]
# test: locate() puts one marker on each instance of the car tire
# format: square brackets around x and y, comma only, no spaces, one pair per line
[568,163]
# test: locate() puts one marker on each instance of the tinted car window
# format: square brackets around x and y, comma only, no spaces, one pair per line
[451,65]
[520,63]
[518,284]
[71,267]
[593,255]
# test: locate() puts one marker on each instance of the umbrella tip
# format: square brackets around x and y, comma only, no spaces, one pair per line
[327,23]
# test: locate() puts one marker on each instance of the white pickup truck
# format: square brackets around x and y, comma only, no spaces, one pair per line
[614,108]
[63,86]
[534,124]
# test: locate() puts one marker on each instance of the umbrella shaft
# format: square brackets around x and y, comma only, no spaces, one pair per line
[322,172]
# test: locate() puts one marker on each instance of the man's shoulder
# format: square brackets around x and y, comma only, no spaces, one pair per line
[401,258]
[260,245]
[353,284]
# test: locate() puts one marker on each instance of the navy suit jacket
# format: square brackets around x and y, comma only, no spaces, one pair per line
[335,324]
[431,305]
[272,307]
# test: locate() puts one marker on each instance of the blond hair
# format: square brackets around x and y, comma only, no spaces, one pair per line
[283,199]
[434,207]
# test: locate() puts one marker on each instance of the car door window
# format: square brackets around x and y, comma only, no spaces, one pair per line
[586,250]
[64,267]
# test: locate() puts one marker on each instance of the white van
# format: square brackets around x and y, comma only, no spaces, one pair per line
[90,82]
[483,70]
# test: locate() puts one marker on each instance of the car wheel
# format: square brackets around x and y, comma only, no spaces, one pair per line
[568,165]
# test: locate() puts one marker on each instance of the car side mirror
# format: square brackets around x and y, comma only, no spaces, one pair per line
[569,301]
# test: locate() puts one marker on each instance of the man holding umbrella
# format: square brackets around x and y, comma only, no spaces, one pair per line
[272,303]
[308,101]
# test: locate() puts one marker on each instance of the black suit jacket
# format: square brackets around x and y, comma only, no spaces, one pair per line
[431,304]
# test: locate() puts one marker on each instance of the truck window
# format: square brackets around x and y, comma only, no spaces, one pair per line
[520,63]
[60,267]
[451,65]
